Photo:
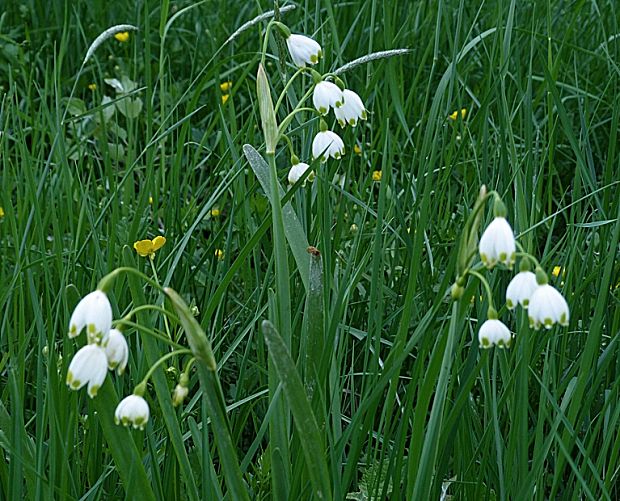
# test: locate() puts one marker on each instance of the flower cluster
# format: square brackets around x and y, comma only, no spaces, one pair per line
[544,304]
[329,93]
[106,349]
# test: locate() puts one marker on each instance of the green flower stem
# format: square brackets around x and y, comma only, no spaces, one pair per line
[183,351]
[289,143]
[150,332]
[281,256]
[145,307]
[106,282]
[486,285]
[287,120]
[523,253]
[266,41]
[166,325]
[287,86]
[279,439]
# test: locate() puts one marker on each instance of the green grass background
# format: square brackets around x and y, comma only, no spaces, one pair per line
[406,403]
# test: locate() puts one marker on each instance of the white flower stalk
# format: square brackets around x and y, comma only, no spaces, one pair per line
[132,410]
[88,366]
[327,144]
[494,333]
[296,172]
[95,313]
[352,110]
[117,351]
[327,95]
[520,289]
[497,244]
[547,307]
[303,50]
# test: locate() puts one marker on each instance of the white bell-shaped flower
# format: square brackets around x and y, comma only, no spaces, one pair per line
[88,366]
[493,332]
[520,289]
[296,172]
[304,50]
[179,394]
[547,307]
[327,95]
[117,351]
[352,110]
[497,244]
[132,410]
[327,144]
[95,313]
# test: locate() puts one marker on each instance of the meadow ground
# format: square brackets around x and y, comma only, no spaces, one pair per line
[368,381]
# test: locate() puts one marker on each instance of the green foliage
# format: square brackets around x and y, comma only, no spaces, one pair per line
[402,402]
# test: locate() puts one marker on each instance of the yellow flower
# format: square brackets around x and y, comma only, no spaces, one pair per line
[455,114]
[357,150]
[148,247]
[150,200]
[226,86]
[92,86]
[219,254]
[376,175]
[225,98]
[123,36]
[557,271]
[215,212]
[1,212]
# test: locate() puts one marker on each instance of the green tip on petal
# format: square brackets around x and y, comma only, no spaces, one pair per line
[485,343]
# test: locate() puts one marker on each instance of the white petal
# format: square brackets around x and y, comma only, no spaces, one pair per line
[89,365]
[327,144]
[117,351]
[497,244]
[304,50]
[296,171]
[326,95]
[95,313]
[493,332]
[132,410]
[520,289]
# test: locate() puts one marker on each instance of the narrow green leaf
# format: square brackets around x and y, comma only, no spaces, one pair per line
[305,422]
[212,392]
[293,230]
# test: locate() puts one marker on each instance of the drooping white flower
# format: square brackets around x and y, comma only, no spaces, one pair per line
[95,313]
[497,244]
[327,95]
[547,307]
[296,172]
[117,351]
[304,50]
[352,110]
[179,394]
[327,144]
[520,289]
[494,333]
[132,410]
[88,366]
